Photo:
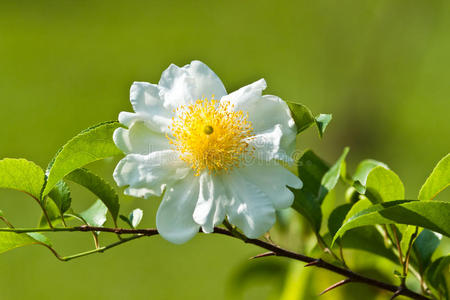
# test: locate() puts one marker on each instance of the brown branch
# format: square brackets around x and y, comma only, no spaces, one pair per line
[319,263]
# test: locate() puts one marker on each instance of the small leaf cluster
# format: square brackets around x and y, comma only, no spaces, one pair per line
[51,192]
[376,216]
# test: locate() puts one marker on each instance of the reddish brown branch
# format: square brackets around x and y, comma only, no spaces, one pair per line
[274,250]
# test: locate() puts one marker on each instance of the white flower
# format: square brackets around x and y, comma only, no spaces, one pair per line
[215,154]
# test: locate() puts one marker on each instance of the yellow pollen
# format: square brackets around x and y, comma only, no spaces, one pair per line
[211,135]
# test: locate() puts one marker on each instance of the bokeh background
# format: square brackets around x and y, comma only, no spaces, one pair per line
[381,67]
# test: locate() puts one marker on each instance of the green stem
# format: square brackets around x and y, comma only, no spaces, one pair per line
[101,249]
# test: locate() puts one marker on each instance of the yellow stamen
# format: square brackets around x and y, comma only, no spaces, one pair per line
[211,135]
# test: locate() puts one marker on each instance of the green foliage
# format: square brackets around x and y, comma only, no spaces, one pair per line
[322,122]
[435,277]
[90,145]
[331,177]
[424,246]
[60,195]
[437,181]
[428,214]
[22,175]
[364,168]
[12,240]
[384,185]
[97,185]
[95,215]
[311,169]
[408,237]
[304,118]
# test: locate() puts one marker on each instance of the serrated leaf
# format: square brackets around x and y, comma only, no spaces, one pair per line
[424,247]
[363,169]
[322,122]
[302,116]
[435,277]
[98,186]
[90,145]
[438,180]
[136,217]
[331,177]
[12,240]
[433,215]
[311,170]
[22,175]
[384,185]
[95,215]
[53,213]
[60,194]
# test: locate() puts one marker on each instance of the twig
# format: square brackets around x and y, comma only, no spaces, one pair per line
[354,277]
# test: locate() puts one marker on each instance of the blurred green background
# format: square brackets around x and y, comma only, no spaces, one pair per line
[382,67]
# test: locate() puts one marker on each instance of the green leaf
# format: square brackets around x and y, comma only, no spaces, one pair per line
[367,239]
[12,240]
[437,181]
[322,122]
[435,277]
[384,185]
[53,212]
[331,177]
[90,145]
[95,215]
[136,217]
[407,235]
[22,175]
[337,217]
[363,169]
[311,170]
[424,247]
[99,187]
[433,215]
[60,194]
[126,220]
[302,116]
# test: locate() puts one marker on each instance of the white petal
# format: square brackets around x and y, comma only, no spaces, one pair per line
[265,112]
[210,209]
[273,179]
[149,108]
[184,85]
[174,217]
[140,139]
[267,145]
[147,175]
[249,208]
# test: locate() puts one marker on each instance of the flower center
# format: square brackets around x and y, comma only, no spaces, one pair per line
[210,135]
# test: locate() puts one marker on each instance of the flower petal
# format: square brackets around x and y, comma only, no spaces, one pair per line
[267,146]
[249,208]
[174,217]
[140,139]
[184,85]
[265,112]
[212,198]
[273,179]
[149,107]
[147,175]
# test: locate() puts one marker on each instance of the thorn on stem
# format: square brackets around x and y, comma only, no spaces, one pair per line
[270,253]
[398,292]
[313,263]
[337,284]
